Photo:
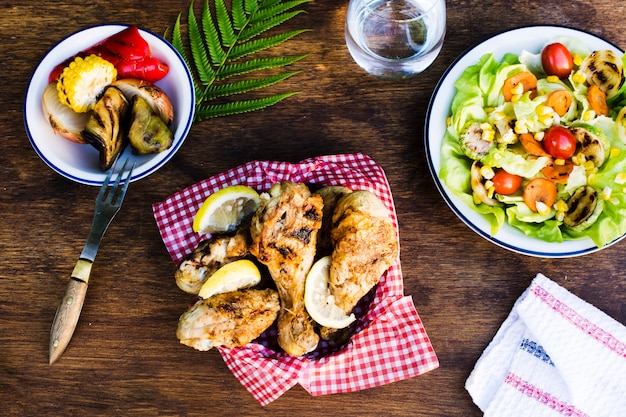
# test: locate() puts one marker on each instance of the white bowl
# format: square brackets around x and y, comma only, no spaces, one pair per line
[80,162]
[531,38]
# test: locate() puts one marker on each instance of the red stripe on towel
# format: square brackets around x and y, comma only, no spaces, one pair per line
[579,321]
[544,397]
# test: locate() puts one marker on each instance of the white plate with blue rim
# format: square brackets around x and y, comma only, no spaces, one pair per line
[532,39]
[80,162]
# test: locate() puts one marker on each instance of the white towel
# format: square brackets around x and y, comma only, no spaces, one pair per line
[555,355]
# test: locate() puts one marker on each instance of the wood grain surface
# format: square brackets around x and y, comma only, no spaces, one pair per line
[124,358]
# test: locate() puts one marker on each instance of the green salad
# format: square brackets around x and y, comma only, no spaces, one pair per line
[538,141]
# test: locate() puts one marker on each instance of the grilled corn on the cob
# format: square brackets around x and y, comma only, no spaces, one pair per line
[83,80]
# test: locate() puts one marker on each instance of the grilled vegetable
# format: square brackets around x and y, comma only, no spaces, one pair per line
[83,80]
[604,69]
[105,128]
[147,132]
[591,143]
[477,180]
[128,51]
[157,98]
[584,208]
[475,143]
[63,120]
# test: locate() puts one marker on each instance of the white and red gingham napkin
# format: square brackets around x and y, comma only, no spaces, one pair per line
[389,342]
[555,355]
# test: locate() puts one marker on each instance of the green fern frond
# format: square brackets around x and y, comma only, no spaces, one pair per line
[224,45]
[245,86]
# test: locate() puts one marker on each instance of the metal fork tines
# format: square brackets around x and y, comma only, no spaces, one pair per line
[108,203]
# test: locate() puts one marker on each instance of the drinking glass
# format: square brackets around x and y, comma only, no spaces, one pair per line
[395,38]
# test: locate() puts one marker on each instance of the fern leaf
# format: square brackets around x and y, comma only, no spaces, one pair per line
[240,68]
[238,107]
[267,24]
[225,25]
[223,42]
[239,14]
[245,86]
[257,45]
[269,10]
[198,52]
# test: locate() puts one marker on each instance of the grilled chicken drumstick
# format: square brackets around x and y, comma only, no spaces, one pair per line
[284,235]
[364,247]
[229,319]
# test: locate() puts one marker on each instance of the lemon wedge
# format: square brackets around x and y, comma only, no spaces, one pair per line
[231,277]
[318,300]
[224,210]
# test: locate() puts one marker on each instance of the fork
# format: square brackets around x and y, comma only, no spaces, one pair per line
[108,203]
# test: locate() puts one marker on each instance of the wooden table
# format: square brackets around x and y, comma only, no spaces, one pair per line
[125,358]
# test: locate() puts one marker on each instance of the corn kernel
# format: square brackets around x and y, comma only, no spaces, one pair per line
[518,89]
[579,78]
[589,115]
[546,120]
[561,206]
[579,159]
[560,215]
[552,79]
[486,126]
[489,184]
[487,172]
[606,193]
[559,161]
[448,121]
[488,135]
[620,178]
[490,191]
[477,199]
[544,110]
[539,135]
[614,152]
[542,208]
[577,60]
[499,115]
[520,127]
[589,165]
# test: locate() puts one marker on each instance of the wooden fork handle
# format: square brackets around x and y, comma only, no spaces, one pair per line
[69,309]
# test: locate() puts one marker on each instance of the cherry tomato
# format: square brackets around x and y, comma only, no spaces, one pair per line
[559,142]
[557,60]
[505,183]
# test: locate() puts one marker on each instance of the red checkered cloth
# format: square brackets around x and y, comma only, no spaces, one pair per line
[388,343]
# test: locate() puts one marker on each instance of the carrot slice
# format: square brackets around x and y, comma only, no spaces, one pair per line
[526,78]
[539,190]
[597,100]
[560,101]
[532,145]
[558,173]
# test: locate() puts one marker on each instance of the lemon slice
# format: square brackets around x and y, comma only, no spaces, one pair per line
[318,300]
[224,210]
[230,277]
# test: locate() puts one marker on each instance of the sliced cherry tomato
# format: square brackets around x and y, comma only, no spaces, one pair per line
[559,142]
[540,190]
[505,183]
[557,60]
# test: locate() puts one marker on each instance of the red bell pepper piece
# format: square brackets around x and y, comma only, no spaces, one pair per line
[128,51]
[149,69]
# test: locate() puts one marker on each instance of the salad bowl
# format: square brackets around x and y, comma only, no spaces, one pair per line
[79,162]
[516,41]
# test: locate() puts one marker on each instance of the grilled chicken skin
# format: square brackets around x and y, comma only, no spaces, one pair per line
[208,257]
[284,235]
[229,319]
[364,247]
